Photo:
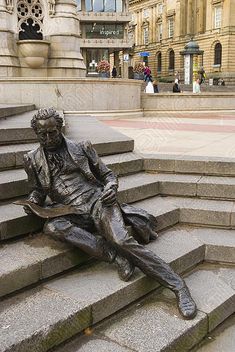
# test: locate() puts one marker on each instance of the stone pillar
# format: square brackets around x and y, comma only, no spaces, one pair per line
[63,31]
[189,17]
[164,24]
[139,28]
[116,60]
[125,65]
[209,24]
[9,61]
[83,5]
[154,31]
[177,25]
[201,17]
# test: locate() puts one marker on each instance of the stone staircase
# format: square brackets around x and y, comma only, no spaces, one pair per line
[51,292]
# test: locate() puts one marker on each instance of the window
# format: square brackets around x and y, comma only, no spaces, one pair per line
[170,28]
[109,6]
[160,32]
[159,62]
[218,54]
[159,9]
[103,5]
[146,36]
[171,60]
[79,5]
[145,13]
[218,16]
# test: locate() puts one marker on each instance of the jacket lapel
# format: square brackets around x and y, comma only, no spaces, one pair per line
[42,168]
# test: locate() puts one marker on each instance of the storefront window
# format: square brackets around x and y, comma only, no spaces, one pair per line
[94,56]
[104,31]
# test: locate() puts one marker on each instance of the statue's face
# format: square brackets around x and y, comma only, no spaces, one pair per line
[48,133]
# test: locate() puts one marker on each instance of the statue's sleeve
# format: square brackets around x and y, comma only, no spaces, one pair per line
[100,170]
[37,194]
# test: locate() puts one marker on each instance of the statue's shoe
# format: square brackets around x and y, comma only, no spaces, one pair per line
[186,304]
[125,268]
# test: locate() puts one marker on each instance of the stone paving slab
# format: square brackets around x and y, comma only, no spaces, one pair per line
[222,339]
[107,140]
[213,296]
[35,258]
[39,319]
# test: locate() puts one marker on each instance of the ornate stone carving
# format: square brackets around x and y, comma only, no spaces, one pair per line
[9,6]
[51,6]
[30,10]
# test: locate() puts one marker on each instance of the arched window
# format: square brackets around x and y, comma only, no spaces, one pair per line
[159,62]
[30,18]
[218,54]
[171,60]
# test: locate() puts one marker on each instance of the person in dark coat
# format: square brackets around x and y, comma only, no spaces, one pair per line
[155,87]
[114,72]
[73,175]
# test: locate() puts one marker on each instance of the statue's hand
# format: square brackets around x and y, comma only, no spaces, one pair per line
[109,196]
[27,210]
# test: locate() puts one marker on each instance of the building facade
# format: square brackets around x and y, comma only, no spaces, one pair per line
[161,29]
[61,38]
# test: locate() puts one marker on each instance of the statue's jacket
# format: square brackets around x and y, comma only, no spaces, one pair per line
[92,167]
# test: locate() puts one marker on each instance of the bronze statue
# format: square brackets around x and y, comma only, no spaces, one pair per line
[83,192]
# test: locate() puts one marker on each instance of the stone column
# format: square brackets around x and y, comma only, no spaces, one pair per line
[83,5]
[189,17]
[63,31]
[154,31]
[177,25]
[9,61]
[139,26]
[200,26]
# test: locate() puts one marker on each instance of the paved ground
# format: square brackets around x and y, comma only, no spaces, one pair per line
[189,133]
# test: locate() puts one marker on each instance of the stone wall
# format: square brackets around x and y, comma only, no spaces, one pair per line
[152,103]
[76,95]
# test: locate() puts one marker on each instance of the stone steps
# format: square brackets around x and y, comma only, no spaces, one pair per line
[145,188]
[13,183]
[189,164]
[90,294]
[16,129]
[39,257]
[153,324]
[10,110]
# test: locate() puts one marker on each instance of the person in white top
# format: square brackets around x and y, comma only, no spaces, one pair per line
[196,86]
[149,87]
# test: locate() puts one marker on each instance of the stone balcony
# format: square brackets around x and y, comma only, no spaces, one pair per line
[104,16]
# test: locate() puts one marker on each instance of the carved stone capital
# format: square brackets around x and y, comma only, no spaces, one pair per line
[9,6]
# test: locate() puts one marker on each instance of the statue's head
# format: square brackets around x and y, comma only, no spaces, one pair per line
[47,124]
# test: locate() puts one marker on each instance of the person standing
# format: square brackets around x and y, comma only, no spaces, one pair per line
[114,72]
[176,86]
[196,86]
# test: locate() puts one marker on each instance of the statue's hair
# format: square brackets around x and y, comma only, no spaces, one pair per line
[44,114]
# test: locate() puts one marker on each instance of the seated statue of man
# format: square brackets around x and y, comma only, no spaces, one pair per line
[72,174]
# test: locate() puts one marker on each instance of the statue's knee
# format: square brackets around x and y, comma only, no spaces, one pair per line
[49,228]
[57,228]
